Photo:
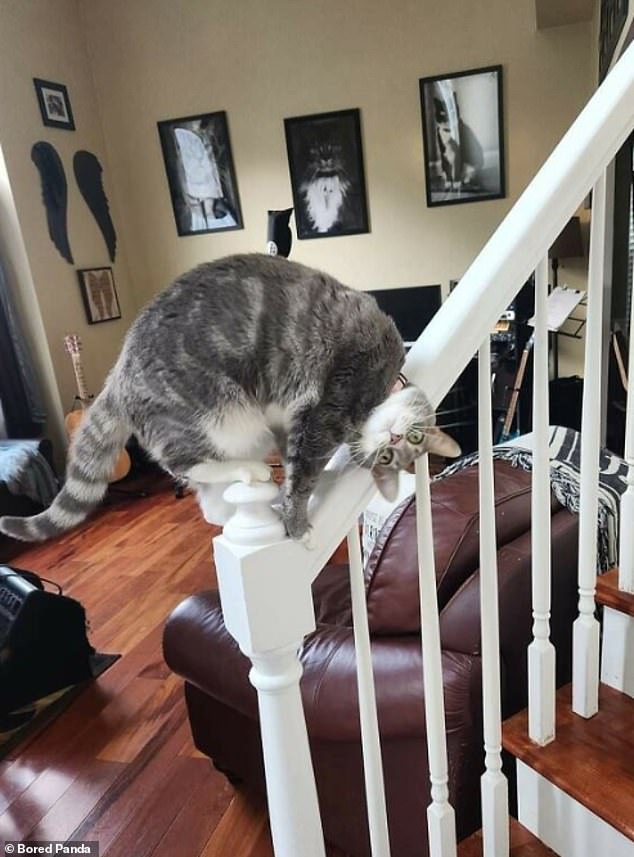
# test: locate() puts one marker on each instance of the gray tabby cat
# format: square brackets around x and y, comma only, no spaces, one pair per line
[235,358]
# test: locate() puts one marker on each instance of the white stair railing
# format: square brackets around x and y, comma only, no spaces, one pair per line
[541,652]
[370,741]
[255,563]
[494,787]
[441,824]
[585,678]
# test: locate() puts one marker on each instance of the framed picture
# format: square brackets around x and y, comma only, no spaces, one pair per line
[54,104]
[463,136]
[99,294]
[325,161]
[200,173]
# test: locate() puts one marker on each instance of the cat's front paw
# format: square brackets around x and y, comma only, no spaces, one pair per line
[256,471]
[296,522]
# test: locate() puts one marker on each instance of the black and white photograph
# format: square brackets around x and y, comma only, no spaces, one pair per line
[200,173]
[463,136]
[99,294]
[325,160]
[54,104]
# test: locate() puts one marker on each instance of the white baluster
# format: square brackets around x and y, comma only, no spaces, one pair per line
[494,786]
[626,547]
[541,652]
[585,672]
[269,611]
[372,764]
[440,814]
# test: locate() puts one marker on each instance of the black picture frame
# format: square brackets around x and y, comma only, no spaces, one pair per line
[201,173]
[99,294]
[54,104]
[463,136]
[325,160]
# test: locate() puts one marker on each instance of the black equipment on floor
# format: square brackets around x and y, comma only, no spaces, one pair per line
[43,642]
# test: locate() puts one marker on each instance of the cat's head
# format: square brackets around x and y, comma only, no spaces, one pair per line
[397,432]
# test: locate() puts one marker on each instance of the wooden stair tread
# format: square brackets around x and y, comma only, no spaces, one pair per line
[609,595]
[523,844]
[591,760]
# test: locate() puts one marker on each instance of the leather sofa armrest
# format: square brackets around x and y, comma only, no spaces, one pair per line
[198,647]
[392,569]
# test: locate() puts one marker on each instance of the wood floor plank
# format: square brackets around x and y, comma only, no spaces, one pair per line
[153,818]
[119,765]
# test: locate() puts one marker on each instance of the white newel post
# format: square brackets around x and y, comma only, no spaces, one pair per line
[585,666]
[541,652]
[268,609]
[493,784]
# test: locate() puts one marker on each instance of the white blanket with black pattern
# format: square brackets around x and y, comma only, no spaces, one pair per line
[565,473]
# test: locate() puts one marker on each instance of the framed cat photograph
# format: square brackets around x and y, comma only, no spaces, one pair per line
[463,137]
[54,104]
[99,294]
[325,162]
[200,173]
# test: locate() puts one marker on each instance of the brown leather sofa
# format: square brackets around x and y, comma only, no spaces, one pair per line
[222,704]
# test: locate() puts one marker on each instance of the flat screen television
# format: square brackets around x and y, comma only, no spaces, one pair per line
[412,308]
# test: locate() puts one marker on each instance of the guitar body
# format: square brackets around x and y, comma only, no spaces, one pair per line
[74,419]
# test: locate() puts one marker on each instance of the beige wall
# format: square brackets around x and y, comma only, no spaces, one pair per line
[44,38]
[263,61]
[129,63]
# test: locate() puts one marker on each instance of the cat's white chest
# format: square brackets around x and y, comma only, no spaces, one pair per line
[245,432]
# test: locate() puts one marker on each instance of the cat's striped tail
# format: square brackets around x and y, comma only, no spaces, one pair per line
[91,461]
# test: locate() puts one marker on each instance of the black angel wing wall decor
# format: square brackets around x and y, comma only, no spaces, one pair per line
[54,195]
[88,172]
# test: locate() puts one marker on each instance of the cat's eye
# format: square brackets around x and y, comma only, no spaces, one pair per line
[415,436]
[386,457]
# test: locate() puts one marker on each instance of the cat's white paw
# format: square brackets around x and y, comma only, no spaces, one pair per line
[308,540]
[257,471]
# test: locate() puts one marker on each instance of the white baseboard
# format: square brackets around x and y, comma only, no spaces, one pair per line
[562,823]
[617,657]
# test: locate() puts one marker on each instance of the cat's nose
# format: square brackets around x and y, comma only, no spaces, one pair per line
[394,438]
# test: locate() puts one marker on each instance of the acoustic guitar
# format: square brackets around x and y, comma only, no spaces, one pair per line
[74,419]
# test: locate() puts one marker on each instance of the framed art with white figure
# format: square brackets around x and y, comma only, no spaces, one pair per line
[463,136]
[325,160]
[200,173]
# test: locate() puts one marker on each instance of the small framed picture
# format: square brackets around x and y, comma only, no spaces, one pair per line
[325,161]
[54,104]
[463,136]
[200,173]
[99,294]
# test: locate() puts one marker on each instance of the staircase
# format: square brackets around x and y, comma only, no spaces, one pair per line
[574,748]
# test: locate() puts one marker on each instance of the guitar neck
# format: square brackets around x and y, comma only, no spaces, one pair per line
[517,386]
[82,389]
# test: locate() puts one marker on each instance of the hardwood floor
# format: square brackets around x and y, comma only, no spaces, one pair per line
[119,766]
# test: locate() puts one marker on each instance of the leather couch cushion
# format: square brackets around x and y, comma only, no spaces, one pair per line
[392,568]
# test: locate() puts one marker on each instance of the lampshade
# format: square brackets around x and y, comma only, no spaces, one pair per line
[568,244]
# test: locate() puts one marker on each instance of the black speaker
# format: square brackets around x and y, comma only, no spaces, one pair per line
[43,641]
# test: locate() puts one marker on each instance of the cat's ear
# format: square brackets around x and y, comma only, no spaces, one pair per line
[439,443]
[386,479]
